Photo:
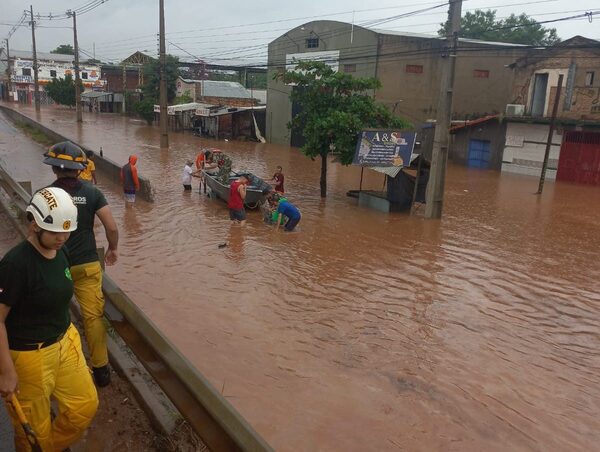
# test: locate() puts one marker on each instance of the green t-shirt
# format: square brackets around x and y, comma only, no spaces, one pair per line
[88,199]
[38,291]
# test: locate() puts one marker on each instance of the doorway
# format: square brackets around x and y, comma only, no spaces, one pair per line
[479,154]
[538,100]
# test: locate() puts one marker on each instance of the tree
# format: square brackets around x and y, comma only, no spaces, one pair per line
[62,90]
[335,107]
[151,86]
[185,98]
[145,109]
[64,49]
[520,29]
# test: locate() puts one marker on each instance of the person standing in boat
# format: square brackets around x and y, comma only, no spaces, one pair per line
[278,179]
[237,196]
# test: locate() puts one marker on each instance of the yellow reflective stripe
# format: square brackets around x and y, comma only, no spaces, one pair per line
[64,157]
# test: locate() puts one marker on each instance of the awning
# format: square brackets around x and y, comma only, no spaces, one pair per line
[391,171]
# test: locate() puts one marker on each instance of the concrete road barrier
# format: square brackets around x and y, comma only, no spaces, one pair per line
[109,168]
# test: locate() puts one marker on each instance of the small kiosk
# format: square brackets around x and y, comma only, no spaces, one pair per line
[391,152]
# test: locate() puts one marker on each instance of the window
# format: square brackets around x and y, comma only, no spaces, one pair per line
[52,73]
[349,67]
[312,43]
[414,68]
[481,73]
[589,78]
[27,71]
[84,75]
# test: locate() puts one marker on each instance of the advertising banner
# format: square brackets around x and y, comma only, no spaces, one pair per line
[384,148]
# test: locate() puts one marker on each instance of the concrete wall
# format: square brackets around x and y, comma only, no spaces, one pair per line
[333,35]
[525,146]
[414,95]
[493,131]
[107,167]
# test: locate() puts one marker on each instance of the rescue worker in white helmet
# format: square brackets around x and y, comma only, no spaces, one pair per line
[40,349]
[67,160]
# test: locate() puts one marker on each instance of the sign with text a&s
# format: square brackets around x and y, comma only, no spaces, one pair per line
[384,148]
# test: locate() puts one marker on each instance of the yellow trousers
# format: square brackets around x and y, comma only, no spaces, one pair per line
[87,284]
[57,371]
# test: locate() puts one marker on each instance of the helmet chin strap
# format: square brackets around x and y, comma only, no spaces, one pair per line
[38,234]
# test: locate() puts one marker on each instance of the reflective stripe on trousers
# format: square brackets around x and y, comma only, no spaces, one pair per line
[87,284]
[58,371]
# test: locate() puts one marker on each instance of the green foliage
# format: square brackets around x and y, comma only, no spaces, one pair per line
[520,29]
[335,107]
[145,109]
[185,98]
[64,49]
[151,86]
[62,90]
[35,134]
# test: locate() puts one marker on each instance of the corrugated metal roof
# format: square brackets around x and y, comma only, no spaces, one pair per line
[28,55]
[214,88]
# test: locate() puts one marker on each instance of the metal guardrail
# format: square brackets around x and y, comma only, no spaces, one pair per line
[210,415]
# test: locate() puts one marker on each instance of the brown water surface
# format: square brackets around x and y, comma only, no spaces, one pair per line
[366,331]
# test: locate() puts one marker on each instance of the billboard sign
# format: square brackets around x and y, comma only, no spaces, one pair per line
[384,148]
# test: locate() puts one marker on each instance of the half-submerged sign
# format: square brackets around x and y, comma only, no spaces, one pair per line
[384,148]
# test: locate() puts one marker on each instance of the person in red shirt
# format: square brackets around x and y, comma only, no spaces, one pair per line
[237,195]
[278,179]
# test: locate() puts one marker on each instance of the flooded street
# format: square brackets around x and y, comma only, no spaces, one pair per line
[364,331]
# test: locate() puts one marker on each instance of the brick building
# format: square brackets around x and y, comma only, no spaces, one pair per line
[516,142]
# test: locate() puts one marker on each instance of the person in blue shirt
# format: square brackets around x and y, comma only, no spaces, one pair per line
[286,208]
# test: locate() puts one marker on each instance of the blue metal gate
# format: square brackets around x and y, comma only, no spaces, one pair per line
[479,154]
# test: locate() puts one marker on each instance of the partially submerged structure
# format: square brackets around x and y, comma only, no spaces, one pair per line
[516,141]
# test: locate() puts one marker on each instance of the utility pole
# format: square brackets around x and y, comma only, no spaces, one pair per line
[124,88]
[550,135]
[164,133]
[36,84]
[435,187]
[8,70]
[77,77]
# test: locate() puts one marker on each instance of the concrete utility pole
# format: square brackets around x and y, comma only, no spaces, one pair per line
[77,77]
[36,84]
[8,70]
[550,135]
[437,176]
[164,133]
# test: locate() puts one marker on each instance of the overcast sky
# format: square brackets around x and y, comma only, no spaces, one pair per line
[221,30]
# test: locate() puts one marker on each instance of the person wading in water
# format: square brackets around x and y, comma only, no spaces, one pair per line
[237,195]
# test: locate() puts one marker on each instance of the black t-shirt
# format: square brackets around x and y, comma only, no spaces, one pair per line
[88,199]
[38,291]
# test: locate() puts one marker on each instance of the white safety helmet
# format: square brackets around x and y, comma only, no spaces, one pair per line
[53,210]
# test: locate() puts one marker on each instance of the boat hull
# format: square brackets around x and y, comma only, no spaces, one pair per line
[254,192]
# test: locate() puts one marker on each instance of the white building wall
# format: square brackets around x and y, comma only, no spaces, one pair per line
[525,146]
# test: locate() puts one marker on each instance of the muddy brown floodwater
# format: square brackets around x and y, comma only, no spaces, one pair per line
[366,331]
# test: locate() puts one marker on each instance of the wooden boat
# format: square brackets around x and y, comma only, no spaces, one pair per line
[254,192]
